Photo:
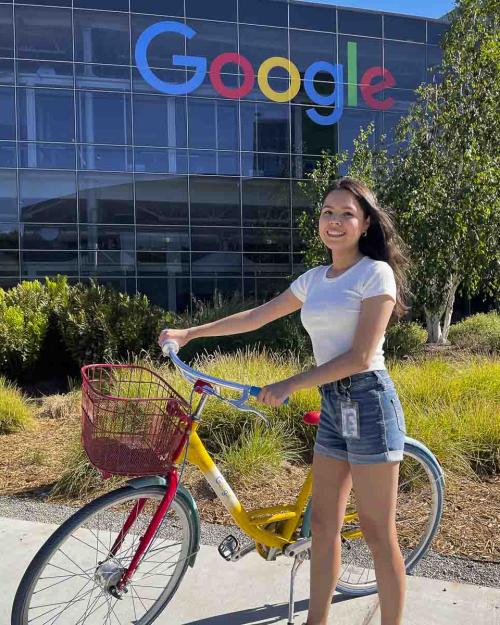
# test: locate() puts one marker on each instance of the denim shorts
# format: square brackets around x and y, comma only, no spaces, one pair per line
[382,427]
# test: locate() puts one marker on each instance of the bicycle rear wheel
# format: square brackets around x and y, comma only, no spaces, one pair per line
[71,579]
[418,513]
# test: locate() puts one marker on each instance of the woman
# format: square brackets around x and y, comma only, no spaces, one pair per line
[346,307]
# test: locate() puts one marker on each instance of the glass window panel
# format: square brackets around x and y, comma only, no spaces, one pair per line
[264,289]
[266,202]
[434,58]
[160,160]
[105,198]
[215,201]
[44,33]
[105,158]
[213,124]
[6,71]
[175,76]
[53,3]
[258,43]
[404,28]
[49,237]
[216,239]
[6,31]
[47,196]
[102,37]
[111,5]
[266,240]
[351,123]
[9,236]
[307,48]
[104,117]
[303,164]
[108,263]
[9,263]
[263,12]
[359,23]
[118,283]
[45,74]
[298,244]
[435,32]
[369,54]
[47,155]
[312,17]
[265,127]
[8,154]
[162,264]
[158,7]
[300,202]
[160,121]
[402,98]
[406,62]
[163,46]
[169,292]
[216,264]
[8,196]
[267,264]
[212,39]
[214,162]
[97,76]
[265,164]
[309,137]
[46,115]
[161,199]
[106,238]
[391,120]
[41,263]
[205,288]
[220,10]
[164,238]
[7,113]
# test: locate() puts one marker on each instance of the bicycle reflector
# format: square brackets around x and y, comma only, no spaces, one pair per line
[133,422]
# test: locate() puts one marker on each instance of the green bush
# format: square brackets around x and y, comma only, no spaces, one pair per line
[99,324]
[478,333]
[404,338]
[15,412]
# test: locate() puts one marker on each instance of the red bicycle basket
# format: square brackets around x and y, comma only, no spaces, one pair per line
[133,422]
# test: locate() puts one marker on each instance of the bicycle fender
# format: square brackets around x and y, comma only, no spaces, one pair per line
[185,495]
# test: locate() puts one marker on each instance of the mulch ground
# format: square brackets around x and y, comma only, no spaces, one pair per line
[30,462]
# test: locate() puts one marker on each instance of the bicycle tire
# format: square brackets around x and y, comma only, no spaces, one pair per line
[418,453]
[84,516]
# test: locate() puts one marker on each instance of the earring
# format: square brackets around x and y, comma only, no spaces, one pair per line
[365,233]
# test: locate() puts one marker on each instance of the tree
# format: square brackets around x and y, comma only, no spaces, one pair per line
[444,181]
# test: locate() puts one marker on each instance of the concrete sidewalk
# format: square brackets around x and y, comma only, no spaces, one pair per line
[253,591]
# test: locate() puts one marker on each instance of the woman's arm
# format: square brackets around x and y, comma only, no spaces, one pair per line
[244,321]
[373,319]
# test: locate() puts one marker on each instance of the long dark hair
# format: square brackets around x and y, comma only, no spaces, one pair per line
[381,242]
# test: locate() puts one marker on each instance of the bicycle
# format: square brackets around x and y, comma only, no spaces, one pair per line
[139,539]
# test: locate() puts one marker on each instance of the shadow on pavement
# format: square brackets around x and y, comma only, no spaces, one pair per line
[264,615]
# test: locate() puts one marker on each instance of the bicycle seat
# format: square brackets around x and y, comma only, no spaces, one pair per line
[312,417]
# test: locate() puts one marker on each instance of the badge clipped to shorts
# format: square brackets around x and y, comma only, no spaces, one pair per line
[350,418]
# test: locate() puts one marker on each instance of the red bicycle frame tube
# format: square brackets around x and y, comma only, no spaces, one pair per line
[153,526]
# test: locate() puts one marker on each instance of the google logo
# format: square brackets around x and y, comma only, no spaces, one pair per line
[369,85]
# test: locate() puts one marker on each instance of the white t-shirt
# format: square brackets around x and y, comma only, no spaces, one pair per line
[332,305]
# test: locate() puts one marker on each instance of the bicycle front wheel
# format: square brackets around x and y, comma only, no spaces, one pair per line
[418,513]
[71,579]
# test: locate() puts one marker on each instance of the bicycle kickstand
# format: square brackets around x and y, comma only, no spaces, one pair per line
[299,559]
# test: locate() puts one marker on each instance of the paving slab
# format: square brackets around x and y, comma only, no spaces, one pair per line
[253,591]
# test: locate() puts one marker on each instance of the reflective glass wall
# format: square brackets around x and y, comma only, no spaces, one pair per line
[114,169]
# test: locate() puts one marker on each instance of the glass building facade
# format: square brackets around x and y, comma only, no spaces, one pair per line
[157,145]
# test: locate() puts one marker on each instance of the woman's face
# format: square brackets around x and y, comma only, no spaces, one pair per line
[342,221]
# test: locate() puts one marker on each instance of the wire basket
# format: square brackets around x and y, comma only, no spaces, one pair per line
[133,422]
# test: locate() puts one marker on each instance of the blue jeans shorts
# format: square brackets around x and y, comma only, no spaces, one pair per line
[382,426]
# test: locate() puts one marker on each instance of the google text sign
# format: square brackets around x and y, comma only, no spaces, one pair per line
[373,81]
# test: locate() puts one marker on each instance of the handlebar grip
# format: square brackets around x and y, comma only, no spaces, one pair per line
[255,390]
[169,345]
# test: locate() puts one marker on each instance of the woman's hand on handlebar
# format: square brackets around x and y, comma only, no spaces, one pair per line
[181,337]
[275,394]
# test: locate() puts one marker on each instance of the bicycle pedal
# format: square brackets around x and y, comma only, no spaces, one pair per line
[228,547]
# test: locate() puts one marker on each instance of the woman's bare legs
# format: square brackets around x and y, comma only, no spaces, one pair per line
[376,488]
[331,487]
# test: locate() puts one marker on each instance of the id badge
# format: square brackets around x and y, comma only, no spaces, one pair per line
[350,418]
